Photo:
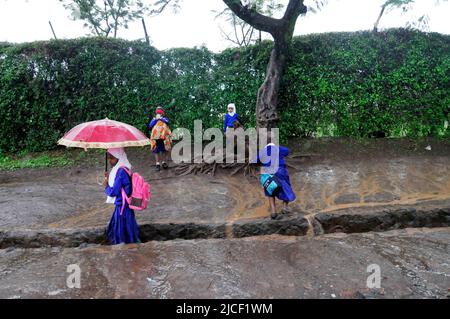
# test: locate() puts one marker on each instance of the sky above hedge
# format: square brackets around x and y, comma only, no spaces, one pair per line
[27,20]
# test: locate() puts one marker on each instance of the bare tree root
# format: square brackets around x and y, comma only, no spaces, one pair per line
[246,168]
[212,168]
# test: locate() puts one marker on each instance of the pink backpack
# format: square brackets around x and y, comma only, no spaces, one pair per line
[140,194]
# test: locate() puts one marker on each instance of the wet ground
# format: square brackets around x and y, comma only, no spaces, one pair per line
[341,185]
[412,264]
[325,180]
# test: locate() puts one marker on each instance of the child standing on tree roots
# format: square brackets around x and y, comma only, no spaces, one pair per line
[275,177]
[161,140]
[231,118]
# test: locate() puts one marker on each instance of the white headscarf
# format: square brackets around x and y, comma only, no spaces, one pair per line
[120,154]
[234,109]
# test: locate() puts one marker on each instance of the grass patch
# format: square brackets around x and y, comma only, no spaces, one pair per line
[9,163]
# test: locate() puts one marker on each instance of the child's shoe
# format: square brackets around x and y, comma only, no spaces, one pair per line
[275,216]
[164,165]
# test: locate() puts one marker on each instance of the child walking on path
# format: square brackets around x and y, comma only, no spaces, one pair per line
[122,228]
[285,192]
[161,140]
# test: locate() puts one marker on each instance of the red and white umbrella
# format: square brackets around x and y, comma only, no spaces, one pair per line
[104,134]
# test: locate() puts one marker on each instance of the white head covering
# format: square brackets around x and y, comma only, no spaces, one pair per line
[120,154]
[232,105]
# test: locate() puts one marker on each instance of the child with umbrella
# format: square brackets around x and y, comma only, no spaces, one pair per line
[122,228]
[113,136]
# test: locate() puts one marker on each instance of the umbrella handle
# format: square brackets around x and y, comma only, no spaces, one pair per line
[106,161]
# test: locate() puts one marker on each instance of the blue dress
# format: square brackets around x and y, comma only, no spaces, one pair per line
[122,229]
[229,121]
[286,194]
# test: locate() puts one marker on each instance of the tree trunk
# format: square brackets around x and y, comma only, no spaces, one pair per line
[267,100]
[375,27]
[282,31]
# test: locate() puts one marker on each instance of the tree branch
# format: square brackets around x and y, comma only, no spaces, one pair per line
[276,27]
[252,17]
[294,9]
[163,4]
[228,38]
[375,27]
[251,35]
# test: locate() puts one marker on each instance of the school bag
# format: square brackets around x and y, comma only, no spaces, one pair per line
[161,131]
[140,194]
[270,183]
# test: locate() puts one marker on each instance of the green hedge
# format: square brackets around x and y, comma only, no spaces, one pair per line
[393,83]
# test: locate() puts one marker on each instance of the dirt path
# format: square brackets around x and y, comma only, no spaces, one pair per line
[341,186]
[413,263]
[330,180]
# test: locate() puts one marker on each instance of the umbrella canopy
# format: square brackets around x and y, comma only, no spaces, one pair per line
[104,134]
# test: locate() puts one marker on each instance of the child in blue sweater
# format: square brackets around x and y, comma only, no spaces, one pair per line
[285,193]
[230,118]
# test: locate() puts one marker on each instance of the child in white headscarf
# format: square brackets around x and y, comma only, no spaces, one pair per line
[230,118]
[123,227]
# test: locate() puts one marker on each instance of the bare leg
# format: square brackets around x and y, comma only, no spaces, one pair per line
[158,158]
[285,208]
[165,156]
[273,210]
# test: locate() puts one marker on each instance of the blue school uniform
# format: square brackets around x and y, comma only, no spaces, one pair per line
[229,121]
[286,193]
[154,121]
[123,227]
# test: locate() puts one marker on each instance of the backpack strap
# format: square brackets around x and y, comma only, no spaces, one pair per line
[124,201]
[126,169]
[124,195]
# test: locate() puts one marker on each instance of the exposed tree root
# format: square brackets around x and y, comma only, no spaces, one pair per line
[247,168]
[212,168]
[235,168]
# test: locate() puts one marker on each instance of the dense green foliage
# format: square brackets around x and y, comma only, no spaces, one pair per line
[394,83]
[361,84]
